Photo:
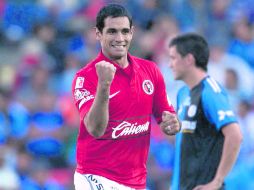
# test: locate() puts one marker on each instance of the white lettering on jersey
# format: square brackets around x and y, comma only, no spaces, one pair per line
[222,114]
[188,126]
[79,82]
[125,128]
[84,100]
[80,94]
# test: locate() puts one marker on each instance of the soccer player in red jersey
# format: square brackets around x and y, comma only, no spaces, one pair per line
[116,95]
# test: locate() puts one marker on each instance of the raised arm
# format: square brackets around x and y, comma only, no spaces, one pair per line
[96,120]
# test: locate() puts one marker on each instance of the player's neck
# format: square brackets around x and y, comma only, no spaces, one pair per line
[123,62]
[194,78]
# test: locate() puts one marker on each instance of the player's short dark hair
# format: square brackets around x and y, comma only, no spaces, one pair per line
[192,44]
[111,10]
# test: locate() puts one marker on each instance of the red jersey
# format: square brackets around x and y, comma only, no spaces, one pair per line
[136,93]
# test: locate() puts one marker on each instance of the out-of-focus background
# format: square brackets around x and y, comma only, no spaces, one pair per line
[44,42]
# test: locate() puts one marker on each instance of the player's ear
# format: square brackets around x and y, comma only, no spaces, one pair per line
[132,30]
[97,33]
[190,59]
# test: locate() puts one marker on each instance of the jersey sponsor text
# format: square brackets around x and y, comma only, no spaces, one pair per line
[125,128]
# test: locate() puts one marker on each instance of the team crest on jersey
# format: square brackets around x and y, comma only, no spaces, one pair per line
[192,110]
[79,82]
[80,94]
[148,87]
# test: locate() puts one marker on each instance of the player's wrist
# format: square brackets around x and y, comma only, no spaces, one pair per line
[218,181]
[104,84]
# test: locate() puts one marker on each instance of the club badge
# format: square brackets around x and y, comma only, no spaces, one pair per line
[148,87]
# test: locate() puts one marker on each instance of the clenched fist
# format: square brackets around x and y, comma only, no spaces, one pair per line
[105,72]
[170,124]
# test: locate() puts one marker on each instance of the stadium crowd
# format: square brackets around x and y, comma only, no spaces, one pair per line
[44,42]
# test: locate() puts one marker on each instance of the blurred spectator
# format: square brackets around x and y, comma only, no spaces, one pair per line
[220,61]
[65,101]
[33,86]
[218,21]
[163,30]
[33,57]
[161,158]
[84,45]
[242,10]
[90,10]
[245,166]
[19,119]
[23,165]
[9,177]
[47,132]
[160,163]
[242,43]
[232,87]
[39,178]
[2,7]
[144,13]
[72,64]
[14,118]
[46,33]
[60,11]
[4,119]
[7,76]
[188,20]
[246,120]
[19,18]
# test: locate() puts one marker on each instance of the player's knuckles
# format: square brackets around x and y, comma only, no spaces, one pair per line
[172,116]
[166,129]
[100,64]
[164,118]
[103,64]
[171,120]
[163,124]
[166,114]
[166,122]
[174,121]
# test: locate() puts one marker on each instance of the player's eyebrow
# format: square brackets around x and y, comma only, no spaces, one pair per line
[113,30]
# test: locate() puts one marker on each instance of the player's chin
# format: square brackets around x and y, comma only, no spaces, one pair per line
[119,55]
[177,77]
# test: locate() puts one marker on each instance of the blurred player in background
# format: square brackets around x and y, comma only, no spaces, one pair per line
[208,144]
[116,95]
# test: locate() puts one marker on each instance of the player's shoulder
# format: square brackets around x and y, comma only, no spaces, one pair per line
[210,85]
[144,62]
[88,69]
[184,89]
[212,90]
[183,92]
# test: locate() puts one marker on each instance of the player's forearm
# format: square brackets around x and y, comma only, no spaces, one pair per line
[96,120]
[230,152]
